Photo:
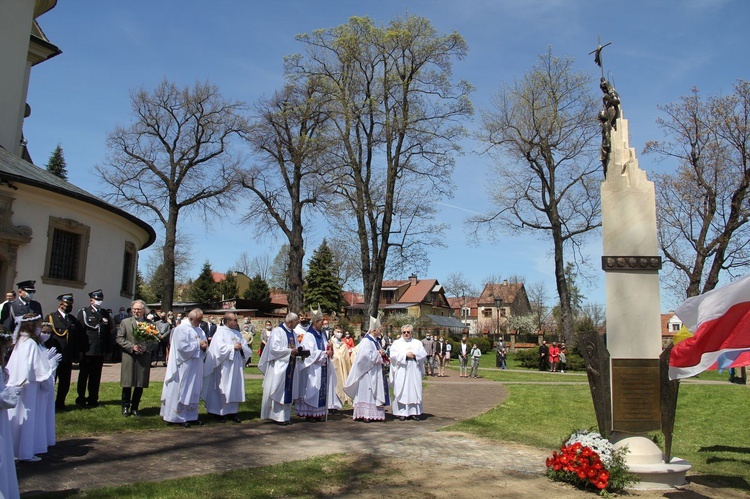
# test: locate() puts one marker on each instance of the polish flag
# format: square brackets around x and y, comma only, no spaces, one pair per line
[720,323]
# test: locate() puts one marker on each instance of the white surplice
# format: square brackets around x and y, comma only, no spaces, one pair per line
[224,380]
[365,384]
[276,363]
[183,380]
[8,478]
[29,369]
[406,377]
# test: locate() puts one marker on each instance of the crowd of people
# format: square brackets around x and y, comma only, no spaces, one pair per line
[553,358]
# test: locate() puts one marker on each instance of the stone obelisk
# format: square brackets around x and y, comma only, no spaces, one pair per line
[631,261]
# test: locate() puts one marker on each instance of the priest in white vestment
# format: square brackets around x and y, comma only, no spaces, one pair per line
[316,376]
[8,400]
[278,364]
[407,364]
[366,383]
[183,380]
[31,369]
[224,379]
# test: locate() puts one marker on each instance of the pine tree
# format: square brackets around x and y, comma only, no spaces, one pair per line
[322,286]
[228,288]
[56,164]
[142,289]
[258,291]
[205,290]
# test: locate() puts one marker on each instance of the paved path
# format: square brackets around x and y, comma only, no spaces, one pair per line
[123,458]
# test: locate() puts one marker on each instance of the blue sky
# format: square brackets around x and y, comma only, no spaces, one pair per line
[659,51]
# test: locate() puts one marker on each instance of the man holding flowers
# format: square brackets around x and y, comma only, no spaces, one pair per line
[138,338]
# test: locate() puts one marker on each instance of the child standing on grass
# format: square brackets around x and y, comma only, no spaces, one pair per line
[476,353]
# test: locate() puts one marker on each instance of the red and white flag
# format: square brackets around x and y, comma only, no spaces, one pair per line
[720,323]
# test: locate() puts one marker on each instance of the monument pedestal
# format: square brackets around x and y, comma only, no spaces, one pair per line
[645,460]
[632,263]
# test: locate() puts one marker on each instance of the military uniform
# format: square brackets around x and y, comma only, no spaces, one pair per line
[97,327]
[66,338]
[14,310]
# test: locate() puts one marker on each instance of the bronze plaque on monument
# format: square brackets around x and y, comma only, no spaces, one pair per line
[635,395]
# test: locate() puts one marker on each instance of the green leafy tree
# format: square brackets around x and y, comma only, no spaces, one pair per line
[156,282]
[205,289]
[395,113]
[228,288]
[56,164]
[142,289]
[322,286]
[258,291]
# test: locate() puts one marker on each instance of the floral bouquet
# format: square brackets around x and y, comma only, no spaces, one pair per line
[586,459]
[144,332]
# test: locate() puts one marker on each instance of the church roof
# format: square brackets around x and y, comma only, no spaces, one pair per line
[16,170]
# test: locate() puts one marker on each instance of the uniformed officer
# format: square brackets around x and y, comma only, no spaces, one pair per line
[66,338]
[97,326]
[23,304]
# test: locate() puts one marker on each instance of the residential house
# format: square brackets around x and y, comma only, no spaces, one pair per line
[51,231]
[499,302]
[466,310]
[670,326]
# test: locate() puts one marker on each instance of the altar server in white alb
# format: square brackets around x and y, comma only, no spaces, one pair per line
[180,397]
[315,373]
[224,381]
[31,369]
[278,364]
[8,400]
[407,359]
[366,383]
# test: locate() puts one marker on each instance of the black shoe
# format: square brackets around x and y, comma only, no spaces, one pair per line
[197,422]
[80,403]
[415,418]
[186,424]
[126,411]
[92,404]
[283,423]
[221,419]
[236,419]
[402,418]
[135,413]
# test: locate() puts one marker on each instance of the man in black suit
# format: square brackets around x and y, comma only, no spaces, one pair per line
[23,304]
[543,353]
[66,338]
[97,325]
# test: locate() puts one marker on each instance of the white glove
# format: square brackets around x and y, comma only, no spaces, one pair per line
[51,352]
[54,362]
[9,396]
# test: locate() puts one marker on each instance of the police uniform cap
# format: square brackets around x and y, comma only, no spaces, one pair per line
[97,295]
[67,298]
[27,286]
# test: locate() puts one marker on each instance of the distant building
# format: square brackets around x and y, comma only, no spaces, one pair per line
[52,231]
[414,297]
[670,326]
[466,310]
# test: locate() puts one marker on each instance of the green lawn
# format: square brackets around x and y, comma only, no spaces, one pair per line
[107,418]
[710,427]
[710,432]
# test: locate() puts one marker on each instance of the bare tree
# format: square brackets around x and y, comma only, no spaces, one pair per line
[703,205]
[261,265]
[174,157]
[538,300]
[458,285]
[544,127]
[396,115]
[244,264]
[290,141]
